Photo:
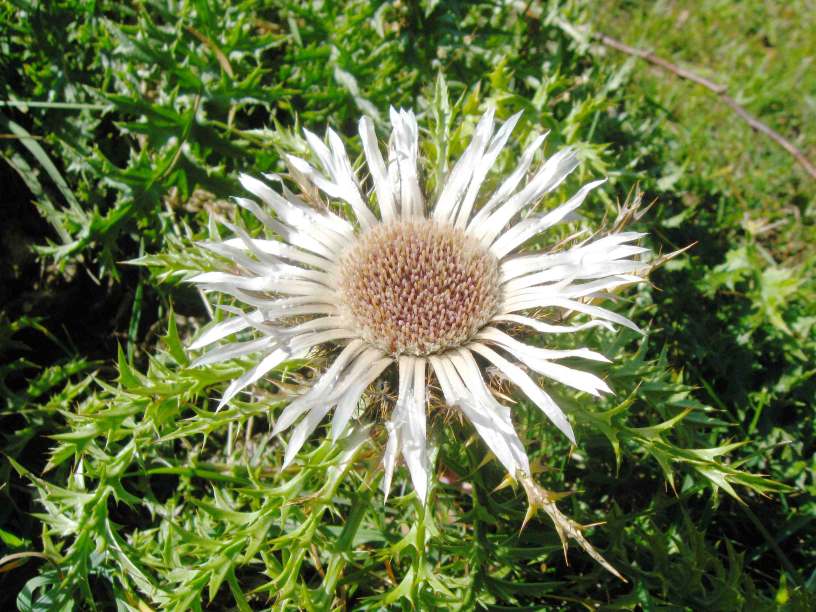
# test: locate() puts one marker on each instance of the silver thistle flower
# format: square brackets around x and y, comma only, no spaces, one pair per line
[416,288]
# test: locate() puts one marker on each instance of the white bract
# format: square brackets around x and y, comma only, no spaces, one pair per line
[426,291]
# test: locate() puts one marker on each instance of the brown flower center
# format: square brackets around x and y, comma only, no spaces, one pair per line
[417,287]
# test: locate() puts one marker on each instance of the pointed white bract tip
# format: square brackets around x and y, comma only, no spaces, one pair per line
[250,183]
[273,177]
[593,356]
[198,344]
[299,164]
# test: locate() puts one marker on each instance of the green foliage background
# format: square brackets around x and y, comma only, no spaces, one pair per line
[123,126]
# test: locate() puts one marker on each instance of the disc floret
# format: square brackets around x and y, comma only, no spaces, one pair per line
[417,287]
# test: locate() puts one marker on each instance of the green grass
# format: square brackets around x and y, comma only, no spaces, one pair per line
[763,54]
[123,486]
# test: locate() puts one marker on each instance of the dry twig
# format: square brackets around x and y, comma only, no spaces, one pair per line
[716,88]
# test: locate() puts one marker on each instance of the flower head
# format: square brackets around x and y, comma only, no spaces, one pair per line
[431,292]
